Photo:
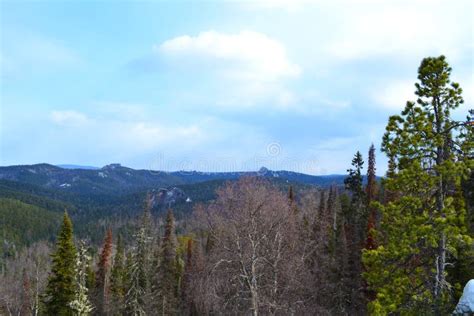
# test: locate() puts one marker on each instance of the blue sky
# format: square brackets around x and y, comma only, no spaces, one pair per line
[217,85]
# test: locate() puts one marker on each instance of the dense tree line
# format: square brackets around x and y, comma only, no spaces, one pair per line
[400,246]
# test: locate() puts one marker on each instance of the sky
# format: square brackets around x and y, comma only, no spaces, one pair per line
[295,85]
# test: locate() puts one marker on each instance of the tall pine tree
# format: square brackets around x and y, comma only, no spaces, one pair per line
[118,278]
[61,283]
[167,288]
[138,267]
[355,227]
[423,226]
[370,190]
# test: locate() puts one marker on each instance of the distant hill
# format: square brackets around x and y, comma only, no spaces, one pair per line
[115,179]
[93,213]
[114,194]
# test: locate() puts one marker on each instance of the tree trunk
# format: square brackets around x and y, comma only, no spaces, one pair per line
[440,193]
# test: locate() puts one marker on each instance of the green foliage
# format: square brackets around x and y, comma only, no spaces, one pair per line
[424,225]
[118,276]
[169,270]
[138,267]
[61,287]
[353,182]
[22,224]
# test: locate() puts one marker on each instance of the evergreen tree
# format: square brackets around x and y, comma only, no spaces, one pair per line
[90,276]
[102,286]
[353,182]
[167,287]
[292,201]
[322,205]
[118,277]
[61,283]
[186,299]
[81,305]
[138,265]
[371,187]
[134,298]
[423,226]
[370,194]
[355,225]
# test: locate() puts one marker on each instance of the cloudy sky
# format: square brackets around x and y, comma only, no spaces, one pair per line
[217,85]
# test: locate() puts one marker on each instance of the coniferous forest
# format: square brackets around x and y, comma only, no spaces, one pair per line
[399,244]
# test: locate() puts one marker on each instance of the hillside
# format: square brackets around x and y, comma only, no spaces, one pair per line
[22,224]
[115,179]
[94,209]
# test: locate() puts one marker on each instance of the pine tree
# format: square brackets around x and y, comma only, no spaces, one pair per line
[186,300]
[90,276]
[355,225]
[138,267]
[423,226]
[292,201]
[370,194]
[353,182]
[371,187]
[61,283]
[118,278]
[167,287]
[102,286]
[81,305]
[135,300]
[322,205]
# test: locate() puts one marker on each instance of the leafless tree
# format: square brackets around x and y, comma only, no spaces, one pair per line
[255,262]
[24,280]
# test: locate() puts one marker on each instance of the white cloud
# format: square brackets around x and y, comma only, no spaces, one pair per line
[404,28]
[146,135]
[119,133]
[69,118]
[394,95]
[246,55]
[244,70]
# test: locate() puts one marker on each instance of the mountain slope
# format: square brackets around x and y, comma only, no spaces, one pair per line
[23,223]
[115,179]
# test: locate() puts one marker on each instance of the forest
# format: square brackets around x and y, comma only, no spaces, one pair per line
[401,244]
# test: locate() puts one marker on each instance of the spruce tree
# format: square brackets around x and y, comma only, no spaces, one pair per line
[371,177]
[118,278]
[61,282]
[423,226]
[355,228]
[186,299]
[292,201]
[370,195]
[167,287]
[134,298]
[138,263]
[353,182]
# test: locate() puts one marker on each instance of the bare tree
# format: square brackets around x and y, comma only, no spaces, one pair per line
[24,280]
[255,261]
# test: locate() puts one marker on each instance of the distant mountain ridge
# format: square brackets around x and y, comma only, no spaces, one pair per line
[116,179]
